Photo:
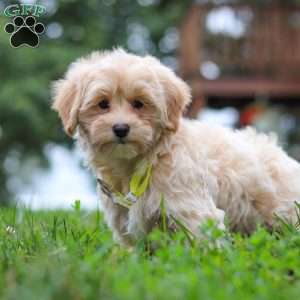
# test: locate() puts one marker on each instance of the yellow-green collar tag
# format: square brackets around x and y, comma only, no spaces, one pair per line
[138,185]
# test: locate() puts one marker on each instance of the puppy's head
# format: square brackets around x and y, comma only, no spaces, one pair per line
[121,102]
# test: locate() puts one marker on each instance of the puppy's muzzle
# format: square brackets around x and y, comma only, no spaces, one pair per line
[121,130]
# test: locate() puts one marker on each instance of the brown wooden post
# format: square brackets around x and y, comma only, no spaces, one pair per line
[190,46]
[196,106]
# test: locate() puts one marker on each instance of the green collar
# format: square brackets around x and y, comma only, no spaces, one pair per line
[138,185]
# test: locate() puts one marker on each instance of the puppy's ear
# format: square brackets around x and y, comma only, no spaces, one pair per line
[178,97]
[66,102]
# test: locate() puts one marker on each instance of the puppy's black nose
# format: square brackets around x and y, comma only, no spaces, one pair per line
[121,130]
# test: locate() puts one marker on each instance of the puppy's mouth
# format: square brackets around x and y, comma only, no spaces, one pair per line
[121,141]
[117,143]
[123,148]
[125,141]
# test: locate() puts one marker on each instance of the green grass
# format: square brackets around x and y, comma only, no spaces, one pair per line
[71,255]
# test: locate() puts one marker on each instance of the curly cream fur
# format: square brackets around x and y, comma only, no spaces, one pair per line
[203,171]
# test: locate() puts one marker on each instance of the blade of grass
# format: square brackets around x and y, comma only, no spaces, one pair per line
[189,235]
[163,213]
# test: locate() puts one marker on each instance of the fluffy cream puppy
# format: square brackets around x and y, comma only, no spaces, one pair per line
[126,111]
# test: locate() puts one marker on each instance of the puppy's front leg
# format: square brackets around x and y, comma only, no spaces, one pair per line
[116,217]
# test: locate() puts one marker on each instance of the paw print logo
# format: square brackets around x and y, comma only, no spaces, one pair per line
[24,32]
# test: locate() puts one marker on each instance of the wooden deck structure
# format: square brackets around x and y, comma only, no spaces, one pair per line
[263,61]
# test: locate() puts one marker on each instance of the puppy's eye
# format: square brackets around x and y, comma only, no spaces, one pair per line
[104,104]
[137,104]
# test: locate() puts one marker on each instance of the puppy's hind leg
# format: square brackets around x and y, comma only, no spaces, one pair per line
[281,200]
[289,212]
[194,212]
[272,209]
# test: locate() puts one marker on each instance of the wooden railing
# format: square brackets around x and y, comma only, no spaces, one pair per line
[264,59]
[269,46]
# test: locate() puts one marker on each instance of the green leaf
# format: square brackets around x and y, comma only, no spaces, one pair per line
[140,181]
[163,213]
[76,205]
